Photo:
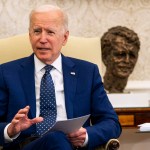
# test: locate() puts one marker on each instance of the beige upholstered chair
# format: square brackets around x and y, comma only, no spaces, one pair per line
[78,47]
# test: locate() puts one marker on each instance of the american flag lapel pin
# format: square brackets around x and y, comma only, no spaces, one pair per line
[73,73]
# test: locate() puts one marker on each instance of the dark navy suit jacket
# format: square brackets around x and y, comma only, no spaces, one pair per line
[84,94]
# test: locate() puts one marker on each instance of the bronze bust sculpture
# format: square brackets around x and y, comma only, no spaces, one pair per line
[120,47]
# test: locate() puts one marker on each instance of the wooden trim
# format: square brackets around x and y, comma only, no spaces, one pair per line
[131,117]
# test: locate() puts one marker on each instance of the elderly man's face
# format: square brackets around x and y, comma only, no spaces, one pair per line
[122,59]
[47,35]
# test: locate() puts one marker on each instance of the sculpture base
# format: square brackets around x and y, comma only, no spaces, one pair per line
[127,100]
[132,108]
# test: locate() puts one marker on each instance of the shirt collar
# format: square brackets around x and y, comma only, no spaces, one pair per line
[57,64]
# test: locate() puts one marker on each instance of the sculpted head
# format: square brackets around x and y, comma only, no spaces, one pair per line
[120,47]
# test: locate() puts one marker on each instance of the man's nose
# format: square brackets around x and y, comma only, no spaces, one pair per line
[127,58]
[43,38]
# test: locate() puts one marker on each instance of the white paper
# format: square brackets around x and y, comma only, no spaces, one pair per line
[144,127]
[70,125]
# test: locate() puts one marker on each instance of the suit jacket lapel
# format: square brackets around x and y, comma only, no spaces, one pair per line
[28,83]
[70,80]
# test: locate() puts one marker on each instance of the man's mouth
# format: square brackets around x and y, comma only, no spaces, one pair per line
[125,69]
[43,48]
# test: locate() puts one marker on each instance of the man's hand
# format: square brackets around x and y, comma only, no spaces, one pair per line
[77,138]
[21,122]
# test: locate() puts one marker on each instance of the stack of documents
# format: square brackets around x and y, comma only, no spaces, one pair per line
[145,127]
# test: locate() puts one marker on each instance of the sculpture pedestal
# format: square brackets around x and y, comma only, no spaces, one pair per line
[129,100]
[132,108]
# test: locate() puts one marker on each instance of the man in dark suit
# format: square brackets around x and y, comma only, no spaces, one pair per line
[78,91]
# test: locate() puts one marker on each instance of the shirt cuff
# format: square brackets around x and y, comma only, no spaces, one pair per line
[86,140]
[6,136]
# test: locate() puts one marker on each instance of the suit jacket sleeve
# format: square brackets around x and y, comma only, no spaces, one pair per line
[105,124]
[3,106]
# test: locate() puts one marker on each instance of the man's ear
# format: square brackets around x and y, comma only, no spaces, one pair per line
[29,32]
[66,35]
[105,60]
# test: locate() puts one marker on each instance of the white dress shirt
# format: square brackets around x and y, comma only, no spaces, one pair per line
[57,76]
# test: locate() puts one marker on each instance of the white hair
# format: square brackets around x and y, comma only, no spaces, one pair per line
[46,8]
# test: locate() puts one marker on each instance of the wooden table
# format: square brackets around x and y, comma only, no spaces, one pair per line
[131,117]
[132,139]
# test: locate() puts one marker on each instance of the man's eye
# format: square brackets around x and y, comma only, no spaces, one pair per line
[120,55]
[132,55]
[36,31]
[50,32]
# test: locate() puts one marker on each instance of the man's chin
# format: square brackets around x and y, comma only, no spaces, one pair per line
[45,60]
[122,75]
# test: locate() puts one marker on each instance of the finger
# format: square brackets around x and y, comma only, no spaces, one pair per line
[77,144]
[37,120]
[78,139]
[24,110]
[78,132]
[14,121]
[27,110]
[19,116]
[74,135]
